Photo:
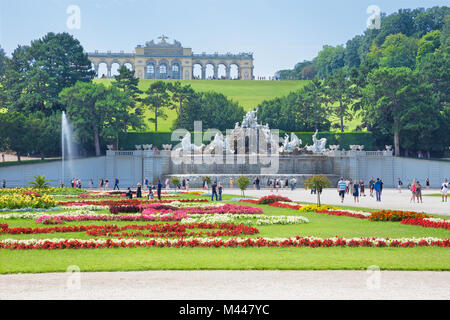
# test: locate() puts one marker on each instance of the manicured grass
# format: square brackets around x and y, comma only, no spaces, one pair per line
[321,225]
[139,259]
[247,93]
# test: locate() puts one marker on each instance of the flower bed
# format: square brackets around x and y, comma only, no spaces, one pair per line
[249,219]
[50,190]
[18,201]
[286,205]
[61,218]
[428,222]
[53,244]
[395,215]
[166,230]
[346,213]
[315,207]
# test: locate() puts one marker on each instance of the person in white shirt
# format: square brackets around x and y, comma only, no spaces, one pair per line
[444,190]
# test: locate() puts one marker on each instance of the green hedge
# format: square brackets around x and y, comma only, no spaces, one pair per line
[127,141]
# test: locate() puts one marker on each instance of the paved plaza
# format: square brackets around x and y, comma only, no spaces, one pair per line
[390,199]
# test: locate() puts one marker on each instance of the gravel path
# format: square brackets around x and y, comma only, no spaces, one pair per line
[212,285]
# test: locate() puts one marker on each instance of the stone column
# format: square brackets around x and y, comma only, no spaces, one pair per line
[108,73]
[228,71]
[216,72]
[203,72]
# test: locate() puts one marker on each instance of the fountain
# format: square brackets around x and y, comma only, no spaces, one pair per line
[66,143]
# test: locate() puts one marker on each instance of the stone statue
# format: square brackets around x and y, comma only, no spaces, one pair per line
[147,146]
[388,148]
[186,144]
[110,147]
[167,147]
[251,120]
[138,147]
[290,146]
[318,144]
[334,147]
[220,143]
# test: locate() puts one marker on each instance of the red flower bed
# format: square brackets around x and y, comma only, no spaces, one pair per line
[343,213]
[166,230]
[124,209]
[215,243]
[285,205]
[427,223]
[250,201]
[172,230]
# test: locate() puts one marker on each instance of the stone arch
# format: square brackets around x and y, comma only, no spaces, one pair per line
[114,67]
[150,69]
[163,69]
[175,69]
[196,73]
[235,70]
[222,70]
[103,69]
[129,64]
[210,70]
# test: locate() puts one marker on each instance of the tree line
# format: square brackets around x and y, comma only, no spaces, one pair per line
[396,79]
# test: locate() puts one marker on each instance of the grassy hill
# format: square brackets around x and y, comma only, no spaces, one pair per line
[247,93]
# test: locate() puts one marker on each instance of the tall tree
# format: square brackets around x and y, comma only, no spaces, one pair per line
[97,112]
[393,98]
[340,93]
[158,99]
[180,95]
[36,74]
[329,60]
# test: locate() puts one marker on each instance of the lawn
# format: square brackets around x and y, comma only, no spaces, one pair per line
[320,225]
[247,93]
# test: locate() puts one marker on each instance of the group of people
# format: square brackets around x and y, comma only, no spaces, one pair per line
[357,188]
[216,191]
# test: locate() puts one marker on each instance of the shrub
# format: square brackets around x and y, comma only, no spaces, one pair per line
[317,183]
[273,198]
[243,183]
[124,209]
[39,182]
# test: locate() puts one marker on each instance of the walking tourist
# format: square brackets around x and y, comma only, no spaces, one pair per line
[183,184]
[355,191]
[371,186]
[188,185]
[151,195]
[378,186]
[129,194]
[158,190]
[347,186]
[419,192]
[444,190]
[220,188]
[214,191]
[427,183]
[413,191]
[258,185]
[3,157]
[139,191]
[106,184]
[4,184]
[361,187]
[341,187]
[116,183]
[167,184]
[91,184]
[231,183]
[399,185]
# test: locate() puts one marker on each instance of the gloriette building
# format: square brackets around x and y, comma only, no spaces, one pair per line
[166,60]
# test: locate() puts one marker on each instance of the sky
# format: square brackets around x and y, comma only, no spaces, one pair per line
[280,33]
